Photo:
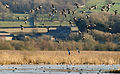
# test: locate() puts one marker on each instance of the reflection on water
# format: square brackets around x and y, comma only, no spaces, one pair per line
[56,69]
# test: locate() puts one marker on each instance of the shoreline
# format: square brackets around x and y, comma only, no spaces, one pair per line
[9,57]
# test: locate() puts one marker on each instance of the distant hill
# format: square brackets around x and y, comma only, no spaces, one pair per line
[25,5]
[19,6]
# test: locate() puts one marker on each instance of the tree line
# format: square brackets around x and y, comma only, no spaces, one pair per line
[20,6]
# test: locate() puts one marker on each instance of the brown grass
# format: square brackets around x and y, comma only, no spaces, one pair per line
[59,57]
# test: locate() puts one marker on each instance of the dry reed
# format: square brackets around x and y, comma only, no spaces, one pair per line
[59,57]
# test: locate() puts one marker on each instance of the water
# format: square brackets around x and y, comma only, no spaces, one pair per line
[56,69]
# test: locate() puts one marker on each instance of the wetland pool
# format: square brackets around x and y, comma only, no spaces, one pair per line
[57,69]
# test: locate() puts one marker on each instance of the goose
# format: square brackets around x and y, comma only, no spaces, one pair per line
[113,3]
[7,6]
[79,32]
[18,18]
[83,11]
[21,26]
[25,21]
[78,50]
[63,10]
[76,4]
[87,16]
[68,51]
[115,12]
[83,38]
[74,18]
[40,7]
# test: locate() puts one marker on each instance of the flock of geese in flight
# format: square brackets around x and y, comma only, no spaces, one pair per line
[66,12]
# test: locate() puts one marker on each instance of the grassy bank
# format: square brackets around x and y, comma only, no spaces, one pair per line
[59,57]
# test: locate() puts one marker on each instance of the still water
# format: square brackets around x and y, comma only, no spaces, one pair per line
[57,69]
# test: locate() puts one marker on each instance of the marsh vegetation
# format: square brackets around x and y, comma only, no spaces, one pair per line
[59,57]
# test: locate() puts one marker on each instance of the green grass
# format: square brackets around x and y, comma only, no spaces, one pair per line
[12,23]
[21,15]
[101,3]
[18,23]
[57,23]
[14,17]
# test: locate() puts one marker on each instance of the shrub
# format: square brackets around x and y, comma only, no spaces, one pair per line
[18,45]
[5,45]
[110,46]
[89,43]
